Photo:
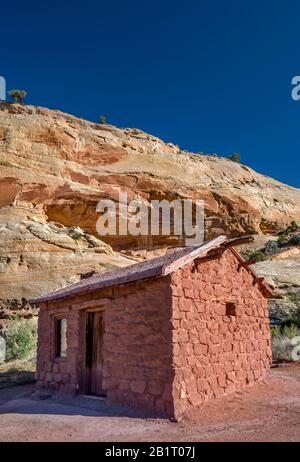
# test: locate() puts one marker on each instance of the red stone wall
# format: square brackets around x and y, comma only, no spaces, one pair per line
[137,345]
[215,354]
[59,374]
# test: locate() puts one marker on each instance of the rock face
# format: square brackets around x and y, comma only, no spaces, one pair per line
[284,275]
[56,167]
[37,256]
[282,272]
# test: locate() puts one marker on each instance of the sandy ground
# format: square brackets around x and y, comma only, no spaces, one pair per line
[269,411]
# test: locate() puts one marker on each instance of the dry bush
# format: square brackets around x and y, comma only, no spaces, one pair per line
[281,348]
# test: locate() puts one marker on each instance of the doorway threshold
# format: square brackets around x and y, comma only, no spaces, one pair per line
[96,397]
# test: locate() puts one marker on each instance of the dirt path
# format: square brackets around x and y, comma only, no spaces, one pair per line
[269,411]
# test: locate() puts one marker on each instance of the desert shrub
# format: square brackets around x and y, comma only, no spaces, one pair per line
[281,348]
[18,95]
[282,239]
[245,254]
[283,333]
[290,326]
[275,331]
[259,255]
[271,247]
[295,240]
[290,331]
[295,298]
[102,120]
[285,330]
[235,157]
[20,339]
[75,233]
[292,320]
[76,236]
[292,227]
[284,234]
[281,337]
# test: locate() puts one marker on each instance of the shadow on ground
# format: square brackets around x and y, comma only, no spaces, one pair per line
[24,399]
[17,372]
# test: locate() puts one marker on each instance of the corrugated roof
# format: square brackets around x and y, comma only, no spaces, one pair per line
[160,266]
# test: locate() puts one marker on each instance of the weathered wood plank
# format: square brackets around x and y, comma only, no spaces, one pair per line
[238,241]
[199,251]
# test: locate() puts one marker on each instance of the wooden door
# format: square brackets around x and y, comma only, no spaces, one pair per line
[94,352]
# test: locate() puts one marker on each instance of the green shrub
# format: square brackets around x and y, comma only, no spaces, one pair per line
[292,227]
[283,333]
[75,233]
[271,247]
[295,240]
[20,339]
[284,234]
[102,120]
[292,322]
[18,95]
[295,298]
[281,348]
[235,157]
[281,337]
[293,319]
[244,254]
[258,255]
[290,331]
[282,239]
[76,236]
[275,331]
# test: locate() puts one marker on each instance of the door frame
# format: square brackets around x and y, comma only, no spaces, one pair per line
[85,370]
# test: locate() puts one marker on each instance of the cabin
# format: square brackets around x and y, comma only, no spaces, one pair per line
[163,335]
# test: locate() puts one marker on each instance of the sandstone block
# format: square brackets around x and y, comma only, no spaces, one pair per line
[137,386]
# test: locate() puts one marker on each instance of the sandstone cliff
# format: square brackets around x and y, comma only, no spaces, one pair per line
[56,167]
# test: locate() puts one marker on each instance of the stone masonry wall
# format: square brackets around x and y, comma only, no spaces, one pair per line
[137,345]
[216,354]
[59,374]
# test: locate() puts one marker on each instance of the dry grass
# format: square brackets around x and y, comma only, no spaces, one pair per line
[281,348]
[16,372]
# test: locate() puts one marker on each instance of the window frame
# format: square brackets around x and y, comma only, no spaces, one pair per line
[56,335]
[231,306]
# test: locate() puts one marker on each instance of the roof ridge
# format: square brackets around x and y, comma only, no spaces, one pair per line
[155,267]
[158,266]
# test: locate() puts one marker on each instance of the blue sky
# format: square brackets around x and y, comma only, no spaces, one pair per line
[212,76]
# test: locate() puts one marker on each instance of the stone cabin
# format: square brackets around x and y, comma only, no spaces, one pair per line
[162,335]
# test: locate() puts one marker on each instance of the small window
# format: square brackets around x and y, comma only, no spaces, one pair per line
[60,338]
[230,309]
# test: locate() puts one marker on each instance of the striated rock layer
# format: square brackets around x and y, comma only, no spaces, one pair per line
[54,168]
[38,256]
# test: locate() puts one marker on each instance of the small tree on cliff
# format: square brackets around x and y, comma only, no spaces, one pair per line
[18,95]
[102,120]
[235,157]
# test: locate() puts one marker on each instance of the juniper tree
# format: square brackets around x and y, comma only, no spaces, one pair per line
[235,157]
[17,95]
